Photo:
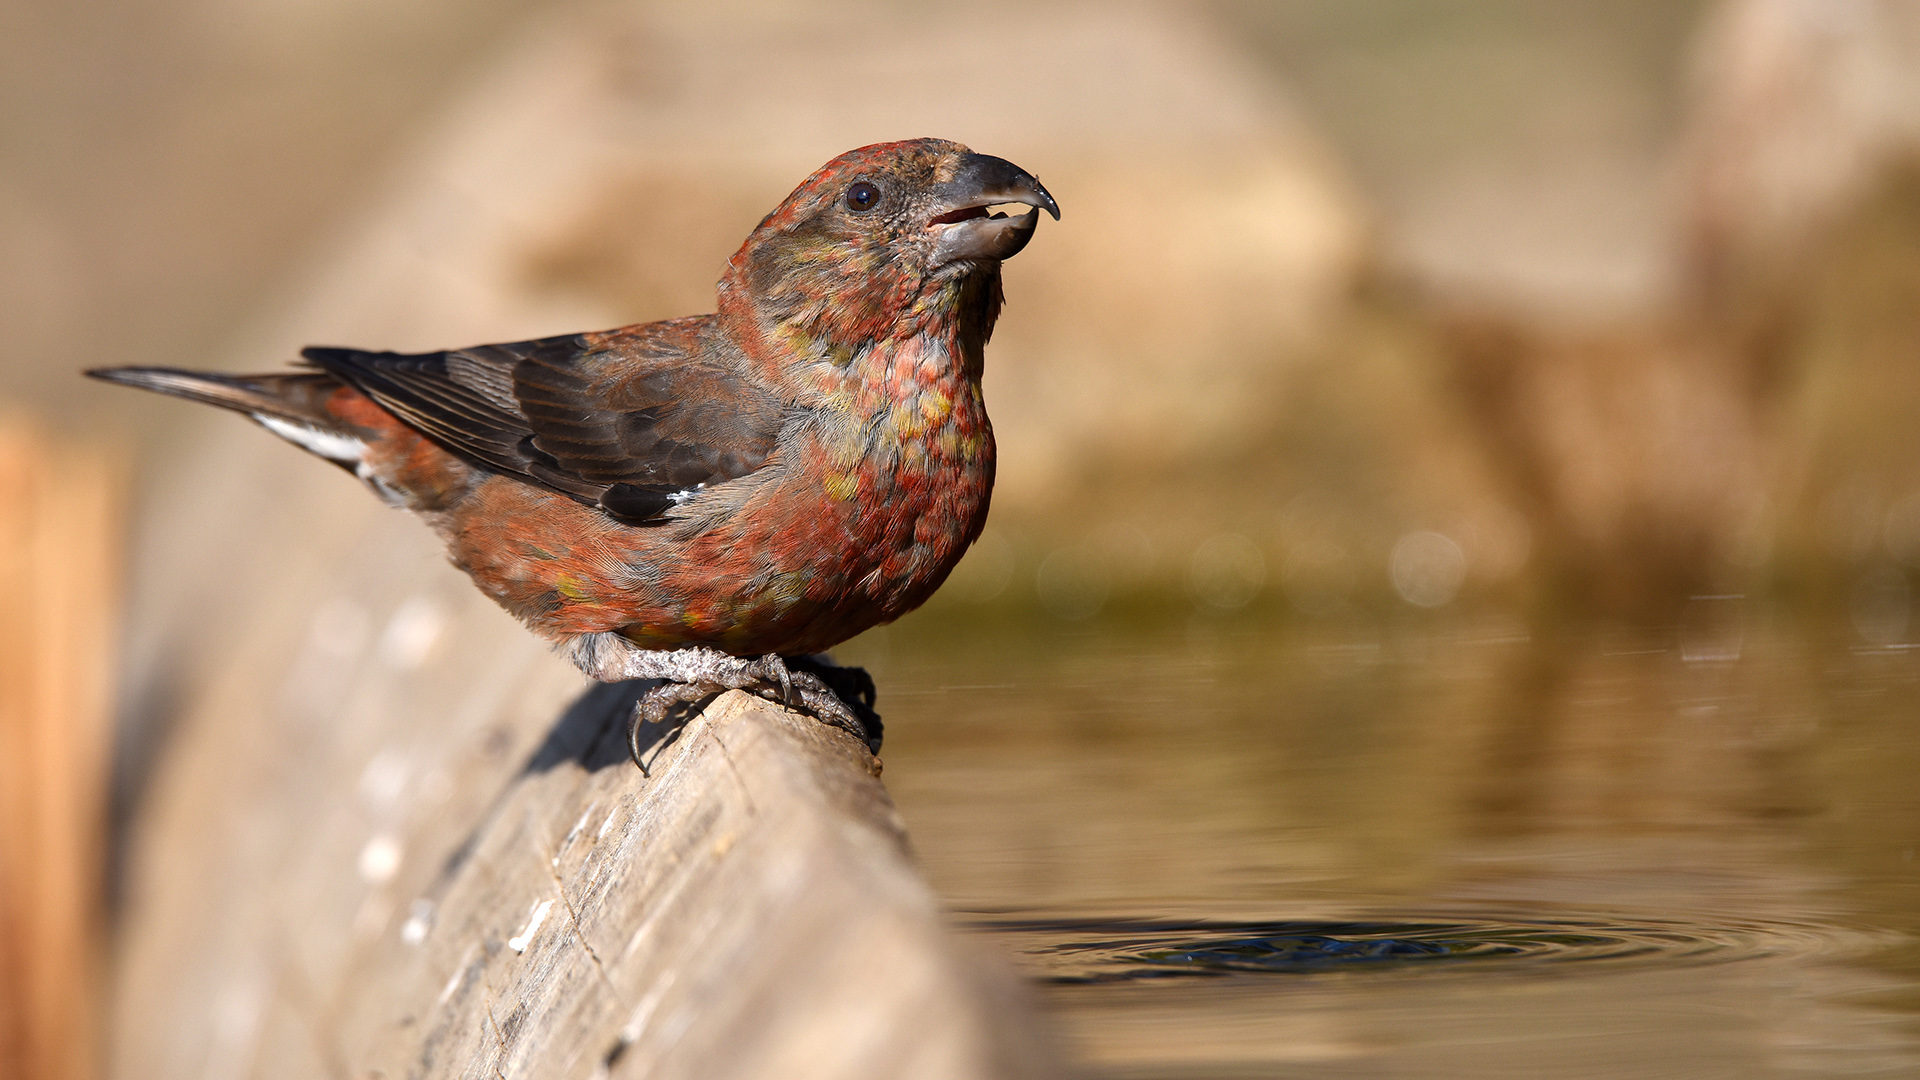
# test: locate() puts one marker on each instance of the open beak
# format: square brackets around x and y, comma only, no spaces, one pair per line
[967,230]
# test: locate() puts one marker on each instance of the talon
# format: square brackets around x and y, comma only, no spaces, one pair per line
[785,676]
[634,724]
[656,703]
[820,700]
[850,692]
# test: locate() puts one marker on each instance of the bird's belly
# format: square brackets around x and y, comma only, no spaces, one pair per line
[821,553]
[800,567]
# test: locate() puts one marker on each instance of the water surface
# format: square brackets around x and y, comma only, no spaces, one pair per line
[1428,848]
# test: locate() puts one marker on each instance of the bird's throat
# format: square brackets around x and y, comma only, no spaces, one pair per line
[835,342]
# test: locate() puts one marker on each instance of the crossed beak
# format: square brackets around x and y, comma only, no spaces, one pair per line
[967,230]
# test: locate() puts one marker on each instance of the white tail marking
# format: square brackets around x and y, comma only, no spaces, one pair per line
[328,444]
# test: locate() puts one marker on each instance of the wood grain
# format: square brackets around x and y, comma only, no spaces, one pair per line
[749,911]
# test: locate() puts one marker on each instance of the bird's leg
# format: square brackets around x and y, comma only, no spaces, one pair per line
[696,671]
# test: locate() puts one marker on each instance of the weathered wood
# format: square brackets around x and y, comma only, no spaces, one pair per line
[408,898]
[750,910]
[58,592]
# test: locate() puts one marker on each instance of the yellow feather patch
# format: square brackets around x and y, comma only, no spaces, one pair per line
[902,421]
[935,406]
[841,486]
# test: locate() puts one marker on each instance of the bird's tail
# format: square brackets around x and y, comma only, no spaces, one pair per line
[292,405]
[297,396]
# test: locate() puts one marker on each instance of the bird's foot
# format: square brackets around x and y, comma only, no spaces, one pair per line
[839,697]
[852,685]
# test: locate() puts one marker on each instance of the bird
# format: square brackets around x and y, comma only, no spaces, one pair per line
[715,500]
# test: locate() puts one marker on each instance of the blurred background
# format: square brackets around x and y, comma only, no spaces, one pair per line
[1404,375]
[1605,297]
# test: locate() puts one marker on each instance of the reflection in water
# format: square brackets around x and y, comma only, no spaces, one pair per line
[1415,824]
[1080,951]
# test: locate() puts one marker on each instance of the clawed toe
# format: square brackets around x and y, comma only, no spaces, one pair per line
[770,672]
[819,700]
[851,688]
[800,683]
[836,696]
[654,707]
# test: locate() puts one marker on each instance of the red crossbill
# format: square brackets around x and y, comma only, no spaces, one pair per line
[705,499]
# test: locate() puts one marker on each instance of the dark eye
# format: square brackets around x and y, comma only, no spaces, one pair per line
[862,196]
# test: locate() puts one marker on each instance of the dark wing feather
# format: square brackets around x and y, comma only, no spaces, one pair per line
[419,390]
[632,421]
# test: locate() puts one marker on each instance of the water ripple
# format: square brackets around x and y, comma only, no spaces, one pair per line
[1120,950]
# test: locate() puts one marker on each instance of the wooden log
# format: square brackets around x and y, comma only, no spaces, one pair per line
[529,904]
[750,911]
[58,591]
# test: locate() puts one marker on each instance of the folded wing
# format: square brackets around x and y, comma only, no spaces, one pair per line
[633,422]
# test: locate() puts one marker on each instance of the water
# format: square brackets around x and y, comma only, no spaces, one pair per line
[1432,848]
[1089,951]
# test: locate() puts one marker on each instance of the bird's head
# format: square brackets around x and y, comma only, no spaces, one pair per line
[890,239]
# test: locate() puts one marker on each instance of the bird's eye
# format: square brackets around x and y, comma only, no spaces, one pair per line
[862,196]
